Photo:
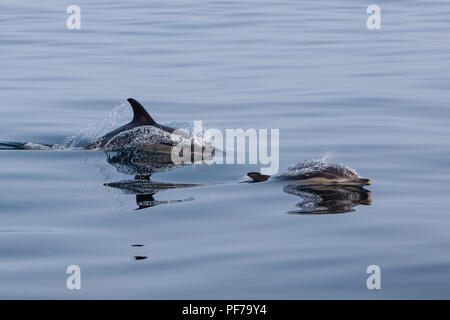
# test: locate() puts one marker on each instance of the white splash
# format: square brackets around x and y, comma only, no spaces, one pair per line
[315,165]
[116,117]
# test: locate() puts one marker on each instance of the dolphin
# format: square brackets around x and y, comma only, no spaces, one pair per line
[118,139]
[324,187]
[315,173]
[327,177]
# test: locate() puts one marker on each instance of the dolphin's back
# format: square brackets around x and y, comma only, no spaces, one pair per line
[140,118]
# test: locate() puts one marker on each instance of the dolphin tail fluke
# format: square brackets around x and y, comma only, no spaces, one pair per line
[7,145]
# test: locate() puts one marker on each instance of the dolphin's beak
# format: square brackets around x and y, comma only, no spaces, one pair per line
[365,181]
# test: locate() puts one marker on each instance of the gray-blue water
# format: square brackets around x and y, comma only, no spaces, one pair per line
[376,100]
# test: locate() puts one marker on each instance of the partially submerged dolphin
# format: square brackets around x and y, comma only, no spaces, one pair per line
[136,135]
[324,187]
[311,173]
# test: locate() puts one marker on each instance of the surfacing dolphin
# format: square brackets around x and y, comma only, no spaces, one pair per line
[315,172]
[136,135]
[324,187]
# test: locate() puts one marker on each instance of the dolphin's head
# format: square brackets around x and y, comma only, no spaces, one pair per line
[258,177]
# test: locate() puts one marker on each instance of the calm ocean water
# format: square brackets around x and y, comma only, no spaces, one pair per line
[377,101]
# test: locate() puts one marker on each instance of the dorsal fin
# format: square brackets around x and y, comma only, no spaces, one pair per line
[140,115]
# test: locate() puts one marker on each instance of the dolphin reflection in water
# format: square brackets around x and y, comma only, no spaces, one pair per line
[145,189]
[142,164]
[328,199]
